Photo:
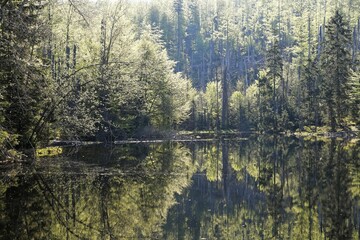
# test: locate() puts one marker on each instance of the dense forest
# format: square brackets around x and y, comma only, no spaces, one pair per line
[108,70]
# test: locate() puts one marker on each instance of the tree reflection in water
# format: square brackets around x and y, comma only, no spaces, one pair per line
[271,188]
[263,188]
[125,197]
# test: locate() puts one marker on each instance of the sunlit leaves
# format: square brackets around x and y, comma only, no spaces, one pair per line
[165,95]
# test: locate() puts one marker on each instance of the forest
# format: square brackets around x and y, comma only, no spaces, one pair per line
[112,70]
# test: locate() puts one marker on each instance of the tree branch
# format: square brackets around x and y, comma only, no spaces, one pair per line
[79,12]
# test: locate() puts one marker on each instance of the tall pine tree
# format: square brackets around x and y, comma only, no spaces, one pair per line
[336,63]
[275,65]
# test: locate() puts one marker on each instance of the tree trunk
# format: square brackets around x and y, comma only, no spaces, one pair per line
[225,100]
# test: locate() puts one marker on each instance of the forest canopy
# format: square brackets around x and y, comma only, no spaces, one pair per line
[109,70]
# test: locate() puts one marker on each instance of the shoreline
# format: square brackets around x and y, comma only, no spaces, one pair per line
[199,136]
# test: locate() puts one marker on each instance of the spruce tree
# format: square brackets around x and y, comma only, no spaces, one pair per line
[275,65]
[336,64]
[355,97]
[311,89]
[22,82]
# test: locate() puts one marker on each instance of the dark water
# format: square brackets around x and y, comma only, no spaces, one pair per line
[262,188]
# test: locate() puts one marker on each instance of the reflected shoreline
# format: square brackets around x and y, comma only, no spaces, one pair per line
[260,188]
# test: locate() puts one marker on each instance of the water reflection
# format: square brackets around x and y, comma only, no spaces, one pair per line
[271,188]
[263,188]
[62,200]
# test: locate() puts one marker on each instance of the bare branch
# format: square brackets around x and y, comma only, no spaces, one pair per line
[79,12]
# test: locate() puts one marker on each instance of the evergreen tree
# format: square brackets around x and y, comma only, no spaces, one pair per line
[312,90]
[336,67]
[22,81]
[180,33]
[275,66]
[355,97]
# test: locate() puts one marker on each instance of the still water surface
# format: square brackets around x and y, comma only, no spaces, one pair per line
[261,188]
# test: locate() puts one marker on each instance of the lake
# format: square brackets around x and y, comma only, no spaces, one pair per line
[259,188]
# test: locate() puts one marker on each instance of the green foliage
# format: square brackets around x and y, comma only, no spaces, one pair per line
[355,97]
[49,151]
[21,71]
[213,108]
[7,144]
[276,83]
[336,63]
[164,94]
[84,74]
[236,109]
[111,70]
[287,40]
[252,111]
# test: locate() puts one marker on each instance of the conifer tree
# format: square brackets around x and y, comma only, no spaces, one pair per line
[21,78]
[355,97]
[275,65]
[336,64]
[179,9]
[311,89]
